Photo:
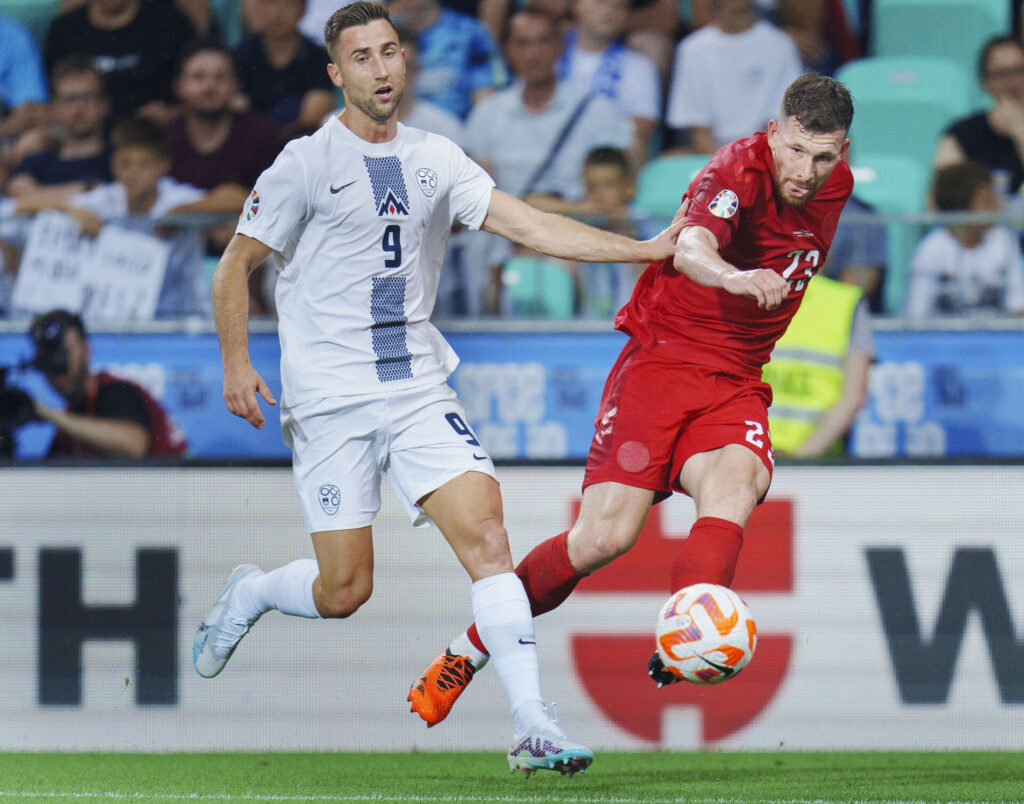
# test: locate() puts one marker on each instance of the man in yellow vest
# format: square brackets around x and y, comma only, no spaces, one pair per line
[819,370]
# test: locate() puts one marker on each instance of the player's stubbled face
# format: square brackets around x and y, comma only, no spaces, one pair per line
[372,68]
[803,159]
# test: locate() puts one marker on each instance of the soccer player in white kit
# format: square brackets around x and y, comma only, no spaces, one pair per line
[358,215]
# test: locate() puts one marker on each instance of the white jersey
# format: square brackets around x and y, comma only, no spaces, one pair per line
[359,230]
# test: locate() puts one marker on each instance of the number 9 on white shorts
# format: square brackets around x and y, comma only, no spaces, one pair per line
[341,446]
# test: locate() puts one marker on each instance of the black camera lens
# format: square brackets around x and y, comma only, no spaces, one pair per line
[51,350]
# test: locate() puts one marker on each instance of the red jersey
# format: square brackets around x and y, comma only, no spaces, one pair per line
[734,198]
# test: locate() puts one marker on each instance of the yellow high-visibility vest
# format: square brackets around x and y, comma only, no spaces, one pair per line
[806,367]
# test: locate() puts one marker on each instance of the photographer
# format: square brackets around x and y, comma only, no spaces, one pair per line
[105,415]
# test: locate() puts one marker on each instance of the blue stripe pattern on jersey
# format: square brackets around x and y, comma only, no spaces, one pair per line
[387,308]
[389,195]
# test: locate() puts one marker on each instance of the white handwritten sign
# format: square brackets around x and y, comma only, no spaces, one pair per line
[49,275]
[122,275]
[117,276]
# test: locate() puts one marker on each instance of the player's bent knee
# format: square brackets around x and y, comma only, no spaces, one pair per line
[592,550]
[344,601]
[488,553]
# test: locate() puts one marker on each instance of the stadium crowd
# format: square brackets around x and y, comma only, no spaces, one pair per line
[131,111]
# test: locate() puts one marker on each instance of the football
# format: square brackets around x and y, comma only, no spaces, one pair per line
[705,634]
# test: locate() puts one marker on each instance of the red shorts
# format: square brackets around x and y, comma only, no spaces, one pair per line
[657,412]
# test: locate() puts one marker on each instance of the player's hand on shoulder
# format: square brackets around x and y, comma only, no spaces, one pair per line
[664,244]
[765,286]
[240,388]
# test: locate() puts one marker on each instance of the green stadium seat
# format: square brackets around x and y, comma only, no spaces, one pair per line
[537,287]
[33,14]
[904,103]
[662,181]
[952,29]
[889,182]
[228,16]
[893,184]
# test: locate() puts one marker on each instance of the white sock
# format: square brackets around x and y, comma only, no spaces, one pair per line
[502,614]
[289,589]
[462,646]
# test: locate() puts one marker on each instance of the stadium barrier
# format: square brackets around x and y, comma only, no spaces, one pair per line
[950,389]
[889,604]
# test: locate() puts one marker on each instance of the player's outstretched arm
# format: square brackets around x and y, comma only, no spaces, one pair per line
[231,313]
[562,237]
[697,256]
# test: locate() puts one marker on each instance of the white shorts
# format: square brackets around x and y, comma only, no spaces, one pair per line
[341,446]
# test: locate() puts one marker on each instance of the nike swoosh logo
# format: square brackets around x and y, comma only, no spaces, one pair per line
[526,641]
[336,190]
[724,669]
[479,457]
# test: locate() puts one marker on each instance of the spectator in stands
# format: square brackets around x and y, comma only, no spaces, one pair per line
[135,44]
[728,78]
[994,138]
[459,61]
[534,136]
[859,255]
[209,143]
[609,186]
[653,28]
[819,371]
[22,81]
[79,158]
[595,56]
[284,74]
[143,190]
[820,28]
[105,416]
[198,12]
[965,268]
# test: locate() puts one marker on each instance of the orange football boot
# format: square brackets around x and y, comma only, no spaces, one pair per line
[436,691]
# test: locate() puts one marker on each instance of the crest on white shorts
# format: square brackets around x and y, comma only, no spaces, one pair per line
[330,498]
[725,204]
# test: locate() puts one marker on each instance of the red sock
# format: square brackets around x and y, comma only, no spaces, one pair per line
[548,577]
[709,553]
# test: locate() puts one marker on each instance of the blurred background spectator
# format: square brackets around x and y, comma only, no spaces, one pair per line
[143,190]
[210,143]
[134,44]
[994,137]
[823,33]
[76,157]
[595,56]
[819,371]
[283,74]
[534,136]
[728,78]
[459,61]
[22,82]
[859,253]
[962,268]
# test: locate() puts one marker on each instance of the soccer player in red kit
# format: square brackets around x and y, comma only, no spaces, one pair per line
[684,408]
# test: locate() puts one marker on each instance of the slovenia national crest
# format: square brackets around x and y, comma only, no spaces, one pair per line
[330,498]
[389,194]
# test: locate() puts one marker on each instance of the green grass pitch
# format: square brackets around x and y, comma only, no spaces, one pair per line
[615,778]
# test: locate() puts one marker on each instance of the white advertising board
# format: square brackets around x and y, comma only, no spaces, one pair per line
[889,602]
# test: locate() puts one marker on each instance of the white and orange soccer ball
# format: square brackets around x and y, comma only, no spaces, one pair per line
[705,634]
